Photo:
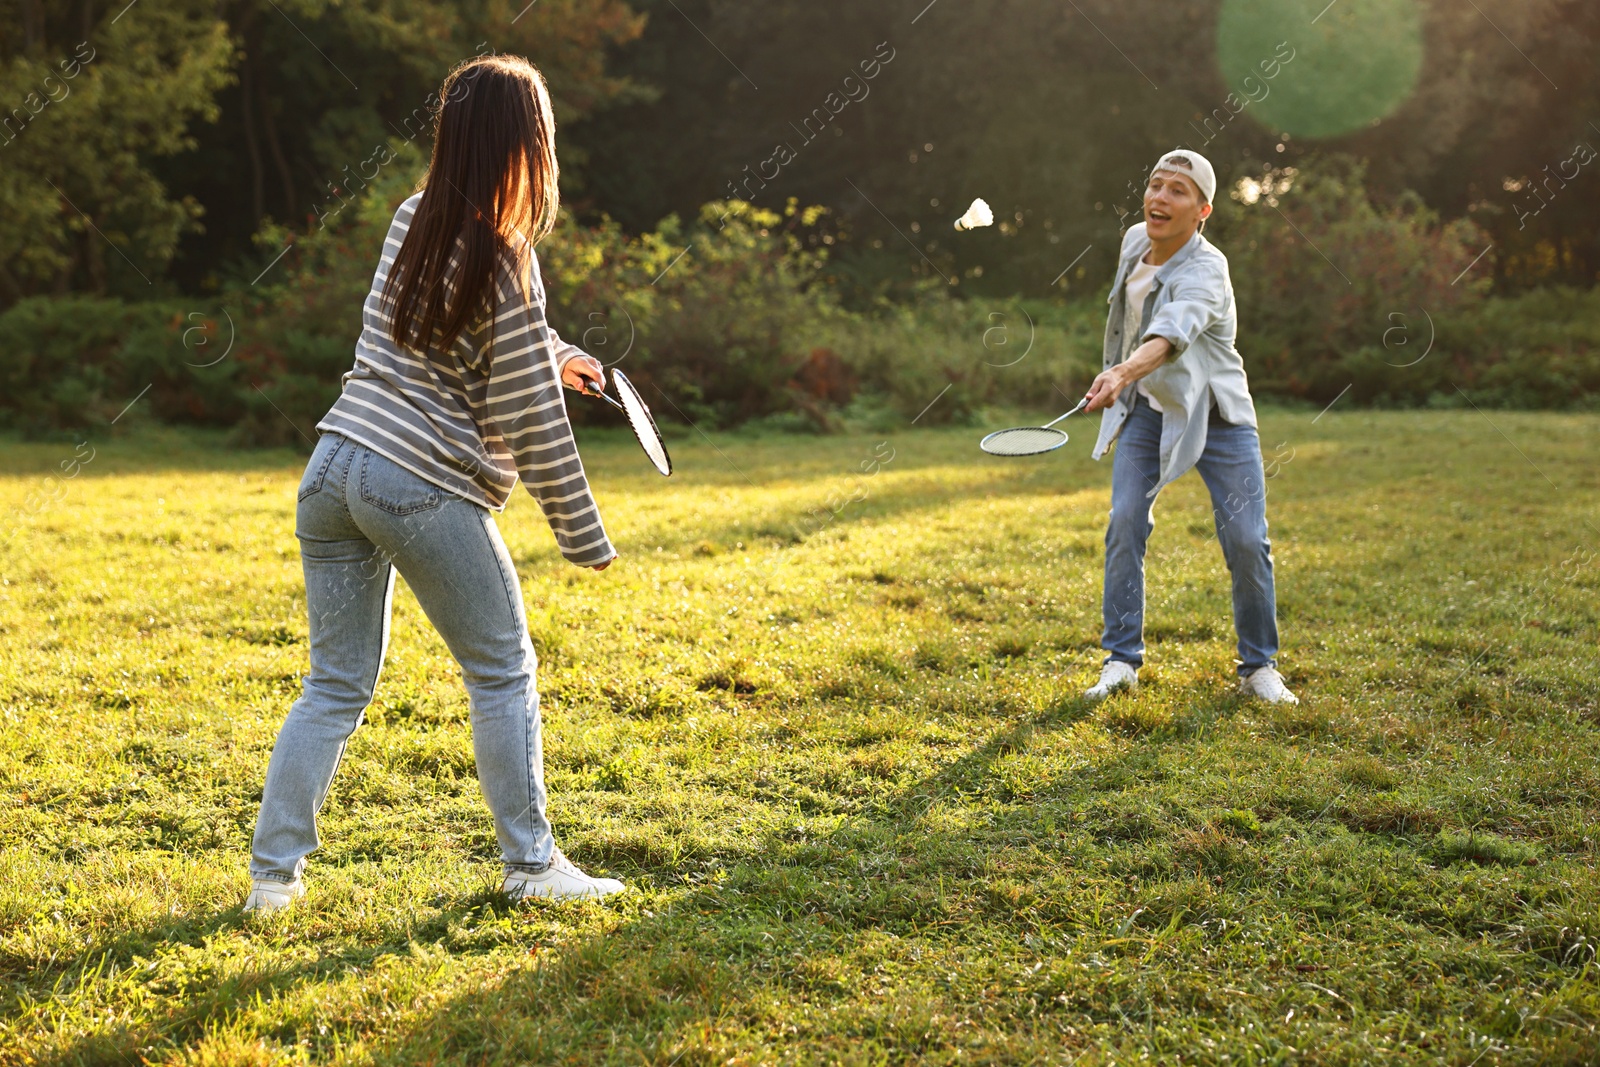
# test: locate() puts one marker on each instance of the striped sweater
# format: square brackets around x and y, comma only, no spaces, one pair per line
[477,417]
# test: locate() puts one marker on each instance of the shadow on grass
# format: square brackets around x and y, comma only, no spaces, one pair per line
[820,505]
[735,962]
[675,972]
[761,956]
[210,1003]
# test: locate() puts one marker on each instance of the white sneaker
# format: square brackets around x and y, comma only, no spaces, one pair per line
[1114,675]
[269,895]
[1267,684]
[560,881]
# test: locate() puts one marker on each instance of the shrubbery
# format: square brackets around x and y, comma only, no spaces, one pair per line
[1540,349]
[719,316]
[968,355]
[744,325]
[1335,291]
[733,318]
[302,319]
[1329,283]
[724,321]
[74,362]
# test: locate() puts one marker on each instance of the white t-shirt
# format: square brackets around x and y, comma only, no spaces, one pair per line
[1135,289]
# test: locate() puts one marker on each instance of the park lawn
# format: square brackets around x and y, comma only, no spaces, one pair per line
[823,716]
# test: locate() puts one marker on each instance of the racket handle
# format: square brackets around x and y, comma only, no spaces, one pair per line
[589,389]
[1081,405]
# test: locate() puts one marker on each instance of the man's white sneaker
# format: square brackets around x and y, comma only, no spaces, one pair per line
[560,881]
[1267,684]
[1114,675]
[269,895]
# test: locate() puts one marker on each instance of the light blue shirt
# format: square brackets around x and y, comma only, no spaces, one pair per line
[1190,304]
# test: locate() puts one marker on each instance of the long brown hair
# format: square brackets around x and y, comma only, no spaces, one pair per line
[493,176]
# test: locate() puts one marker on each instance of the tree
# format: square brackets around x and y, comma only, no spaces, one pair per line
[1049,111]
[91,100]
[145,144]
[323,85]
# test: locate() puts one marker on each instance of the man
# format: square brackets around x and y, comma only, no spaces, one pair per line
[1175,397]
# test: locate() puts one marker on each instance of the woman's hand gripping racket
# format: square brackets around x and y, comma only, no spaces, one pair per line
[637,412]
[1029,440]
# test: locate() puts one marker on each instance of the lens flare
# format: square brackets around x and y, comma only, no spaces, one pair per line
[1314,73]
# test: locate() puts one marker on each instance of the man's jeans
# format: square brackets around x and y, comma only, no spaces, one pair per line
[361,516]
[1231,468]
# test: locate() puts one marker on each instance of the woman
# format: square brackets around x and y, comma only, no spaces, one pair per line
[455,394]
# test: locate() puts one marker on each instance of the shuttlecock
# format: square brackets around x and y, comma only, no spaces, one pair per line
[977,215]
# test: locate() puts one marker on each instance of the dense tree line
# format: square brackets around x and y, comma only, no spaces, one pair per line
[143,145]
[1049,110]
[185,124]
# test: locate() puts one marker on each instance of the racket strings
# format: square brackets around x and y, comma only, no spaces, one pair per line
[1023,441]
[643,423]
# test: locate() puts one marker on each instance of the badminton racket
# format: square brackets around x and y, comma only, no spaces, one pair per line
[1029,440]
[637,412]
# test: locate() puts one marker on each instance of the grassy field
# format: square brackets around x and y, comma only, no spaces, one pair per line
[823,716]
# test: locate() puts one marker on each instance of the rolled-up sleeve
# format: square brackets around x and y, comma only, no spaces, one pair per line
[1197,303]
[526,405]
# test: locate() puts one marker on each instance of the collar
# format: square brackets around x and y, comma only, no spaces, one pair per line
[1139,249]
[1190,247]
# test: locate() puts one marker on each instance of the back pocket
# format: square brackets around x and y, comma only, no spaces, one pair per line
[317,466]
[387,485]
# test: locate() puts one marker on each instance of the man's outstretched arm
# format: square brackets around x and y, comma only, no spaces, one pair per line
[1109,383]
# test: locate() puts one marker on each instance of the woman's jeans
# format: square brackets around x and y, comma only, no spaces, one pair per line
[1231,468]
[361,516]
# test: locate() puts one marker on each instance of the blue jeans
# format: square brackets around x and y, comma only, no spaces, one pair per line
[1231,468]
[361,516]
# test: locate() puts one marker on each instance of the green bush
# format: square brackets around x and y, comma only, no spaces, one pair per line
[77,362]
[1539,349]
[735,318]
[1323,276]
[57,361]
[943,360]
[716,318]
[722,321]
[305,316]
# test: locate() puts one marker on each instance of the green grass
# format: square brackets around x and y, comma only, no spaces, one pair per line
[844,765]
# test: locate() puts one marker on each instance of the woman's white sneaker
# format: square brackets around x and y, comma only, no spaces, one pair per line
[1267,684]
[269,895]
[1114,675]
[562,880]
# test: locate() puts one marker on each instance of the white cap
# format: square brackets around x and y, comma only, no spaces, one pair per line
[1191,165]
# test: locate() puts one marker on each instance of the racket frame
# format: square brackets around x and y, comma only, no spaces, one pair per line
[661,442]
[1047,426]
[1060,434]
[590,390]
